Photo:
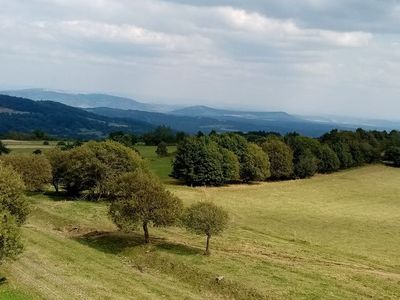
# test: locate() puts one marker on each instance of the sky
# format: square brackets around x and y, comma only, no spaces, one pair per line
[313,57]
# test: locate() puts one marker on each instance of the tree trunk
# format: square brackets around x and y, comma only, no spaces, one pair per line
[146,233]
[208,245]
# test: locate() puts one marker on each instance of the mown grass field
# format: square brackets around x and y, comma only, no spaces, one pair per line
[329,237]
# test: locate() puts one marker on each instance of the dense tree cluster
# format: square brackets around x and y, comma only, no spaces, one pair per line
[89,168]
[218,159]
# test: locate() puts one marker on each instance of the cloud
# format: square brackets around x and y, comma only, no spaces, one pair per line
[300,56]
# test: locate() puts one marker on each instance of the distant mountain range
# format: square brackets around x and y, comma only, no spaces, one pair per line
[95,115]
[24,115]
[86,100]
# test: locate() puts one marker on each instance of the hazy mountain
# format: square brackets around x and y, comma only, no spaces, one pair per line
[277,122]
[205,111]
[86,100]
[24,115]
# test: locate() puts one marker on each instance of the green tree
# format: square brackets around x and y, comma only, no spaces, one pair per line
[280,157]
[35,170]
[90,166]
[140,198]
[11,194]
[393,155]
[13,212]
[342,151]
[328,160]
[58,160]
[255,165]
[162,149]
[126,139]
[306,165]
[206,218]
[3,149]
[199,162]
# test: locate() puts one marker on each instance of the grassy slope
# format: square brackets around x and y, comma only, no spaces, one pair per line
[333,236]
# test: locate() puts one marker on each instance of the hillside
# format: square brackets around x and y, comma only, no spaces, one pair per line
[24,115]
[83,100]
[333,236]
[193,120]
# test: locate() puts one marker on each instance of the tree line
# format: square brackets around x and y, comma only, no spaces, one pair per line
[218,159]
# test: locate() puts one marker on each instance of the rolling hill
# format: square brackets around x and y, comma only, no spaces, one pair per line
[24,115]
[84,100]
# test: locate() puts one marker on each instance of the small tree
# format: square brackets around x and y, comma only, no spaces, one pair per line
[255,165]
[140,198]
[206,218]
[3,149]
[162,149]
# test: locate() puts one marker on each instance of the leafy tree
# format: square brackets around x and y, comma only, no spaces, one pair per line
[255,165]
[90,166]
[140,198]
[13,212]
[4,149]
[126,139]
[162,150]
[280,157]
[306,165]
[161,133]
[343,153]
[206,218]
[11,194]
[230,165]
[199,162]
[393,155]
[328,160]
[35,170]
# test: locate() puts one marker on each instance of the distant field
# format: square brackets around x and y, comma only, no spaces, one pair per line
[330,237]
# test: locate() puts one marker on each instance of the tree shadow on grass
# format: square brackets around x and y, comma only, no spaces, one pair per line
[117,242]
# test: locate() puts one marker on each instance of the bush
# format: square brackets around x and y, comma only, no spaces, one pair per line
[35,170]
[205,218]
[280,157]
[140,198]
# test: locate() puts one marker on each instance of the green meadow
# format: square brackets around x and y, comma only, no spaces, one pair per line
[330,237]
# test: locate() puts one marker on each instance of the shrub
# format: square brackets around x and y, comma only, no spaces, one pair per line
[35,170]
[206,218]
[140,198]
[280,157]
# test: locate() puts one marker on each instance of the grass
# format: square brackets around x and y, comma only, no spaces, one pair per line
[333,237]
